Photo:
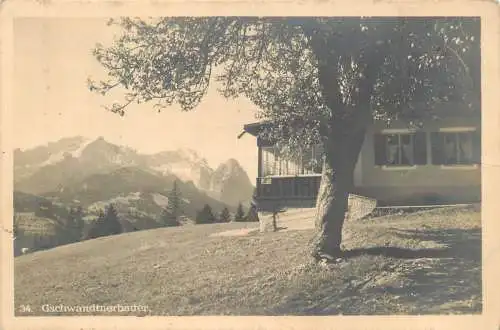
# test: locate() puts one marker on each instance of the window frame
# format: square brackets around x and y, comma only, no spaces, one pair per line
[456,132]
[279,164]
[399,162]
[412,133]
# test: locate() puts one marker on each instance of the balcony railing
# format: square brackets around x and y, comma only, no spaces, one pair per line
[288,187]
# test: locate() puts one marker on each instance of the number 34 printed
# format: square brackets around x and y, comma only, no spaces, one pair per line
[25,309]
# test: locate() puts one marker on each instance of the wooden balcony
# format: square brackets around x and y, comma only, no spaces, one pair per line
[288,187]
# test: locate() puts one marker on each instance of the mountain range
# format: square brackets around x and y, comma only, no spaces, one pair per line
[92,173]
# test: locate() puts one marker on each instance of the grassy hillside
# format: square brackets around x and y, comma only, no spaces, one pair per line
[420,263]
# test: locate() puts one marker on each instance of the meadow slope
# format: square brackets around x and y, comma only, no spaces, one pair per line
[422,263]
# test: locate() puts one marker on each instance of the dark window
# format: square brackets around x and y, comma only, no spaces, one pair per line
[456,148]
[404,149]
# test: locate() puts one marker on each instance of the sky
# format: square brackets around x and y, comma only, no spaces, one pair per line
[53,59]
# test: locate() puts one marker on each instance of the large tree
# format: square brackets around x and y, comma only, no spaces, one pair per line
[315,80]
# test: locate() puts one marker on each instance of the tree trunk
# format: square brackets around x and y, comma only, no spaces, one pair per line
[341,153]
[348,121]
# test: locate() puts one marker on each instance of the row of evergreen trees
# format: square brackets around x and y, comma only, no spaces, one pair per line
[72,226]
[172,213]
[206,215]
[108,222]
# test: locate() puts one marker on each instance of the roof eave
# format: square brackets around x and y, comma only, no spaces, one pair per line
[254,128]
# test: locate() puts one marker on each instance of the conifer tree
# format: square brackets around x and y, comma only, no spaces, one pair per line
[174,209]
[240,214]
[75,224]
[225,216]
[106,224]
[205,215]
[168,219]
[113,225]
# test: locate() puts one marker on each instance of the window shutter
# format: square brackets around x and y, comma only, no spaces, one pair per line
[420,148]
[476,147]
[437,148]
[379,149]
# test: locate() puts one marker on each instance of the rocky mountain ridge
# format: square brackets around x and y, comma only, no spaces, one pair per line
[66,162]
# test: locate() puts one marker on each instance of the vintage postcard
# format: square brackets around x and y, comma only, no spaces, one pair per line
[209,165]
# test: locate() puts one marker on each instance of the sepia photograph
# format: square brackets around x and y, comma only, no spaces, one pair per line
[254,165]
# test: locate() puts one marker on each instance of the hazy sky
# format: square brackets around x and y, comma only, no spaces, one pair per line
[52,62]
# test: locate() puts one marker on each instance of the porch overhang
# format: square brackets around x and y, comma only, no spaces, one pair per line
[254,128]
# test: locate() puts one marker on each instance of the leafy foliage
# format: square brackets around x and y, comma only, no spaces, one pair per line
[314,79]
[304,73]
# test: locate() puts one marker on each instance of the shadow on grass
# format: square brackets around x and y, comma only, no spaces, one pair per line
[396,252]
[450,284]
[434,281]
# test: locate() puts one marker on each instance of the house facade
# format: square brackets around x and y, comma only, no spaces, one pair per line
[437,164]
